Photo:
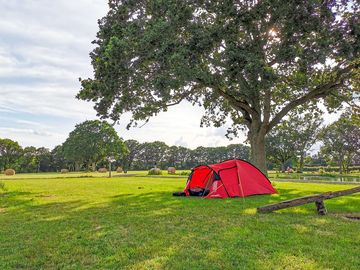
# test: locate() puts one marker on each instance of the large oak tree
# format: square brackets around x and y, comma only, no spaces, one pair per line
[250,61]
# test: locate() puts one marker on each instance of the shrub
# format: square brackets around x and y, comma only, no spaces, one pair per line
[155,171]
[64,171]
[9,172]
[119,170]
[328,168]
[321,170]
[102,170]
[171,170]
[184,173]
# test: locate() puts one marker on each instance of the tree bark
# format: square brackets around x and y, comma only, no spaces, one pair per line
[77,166]
[301,165]
[258,153]
[341,166]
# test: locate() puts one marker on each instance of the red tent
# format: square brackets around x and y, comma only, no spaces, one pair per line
[231,178]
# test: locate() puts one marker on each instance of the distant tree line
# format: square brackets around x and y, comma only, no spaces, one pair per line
[92,144]
[142,156]
[138,156]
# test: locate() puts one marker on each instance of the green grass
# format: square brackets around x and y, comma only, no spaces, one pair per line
[52,175]
[135,223]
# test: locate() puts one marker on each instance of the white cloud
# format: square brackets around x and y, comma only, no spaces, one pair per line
[181,142]
[44,48]
[25,131]
[180,125]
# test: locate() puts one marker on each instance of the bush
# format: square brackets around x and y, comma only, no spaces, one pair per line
[329,168]
[102,170]
[184,173]
[9,172]
[119,170]
[155,171]
[64,171]
[171,170]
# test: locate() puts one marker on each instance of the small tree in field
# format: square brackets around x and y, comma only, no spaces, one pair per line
[341,142]
[249,61]
[91,142]
[292,138]
[10,152]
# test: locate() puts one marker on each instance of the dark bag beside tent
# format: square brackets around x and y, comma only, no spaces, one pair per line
[228,179]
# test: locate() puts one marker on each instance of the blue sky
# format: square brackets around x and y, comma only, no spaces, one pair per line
[44,49]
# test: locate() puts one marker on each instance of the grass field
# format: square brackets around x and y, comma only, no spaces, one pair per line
[135,223]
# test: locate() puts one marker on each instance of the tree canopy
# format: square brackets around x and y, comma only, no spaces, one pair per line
[91,142]
[292,138]
[143,156]
[10,151]
[341,141]
[250,61]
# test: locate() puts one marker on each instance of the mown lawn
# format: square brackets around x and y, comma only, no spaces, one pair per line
[135,223]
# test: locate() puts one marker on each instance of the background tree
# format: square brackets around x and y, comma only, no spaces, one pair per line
[251,61]
[341,142]
[152,154]
[280,146]
[306,128]
[178,156]
[28,160]
[58,160]
[238,151]
[10,151]
[44,159]
[142,156]
[172,157]
[134,148]
[91,142]
[293,137]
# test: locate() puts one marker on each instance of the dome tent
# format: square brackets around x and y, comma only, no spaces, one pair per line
[228,179]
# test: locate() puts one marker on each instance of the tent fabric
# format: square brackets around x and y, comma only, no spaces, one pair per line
[228,179]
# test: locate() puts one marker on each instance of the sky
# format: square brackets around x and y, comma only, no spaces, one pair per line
[44,49]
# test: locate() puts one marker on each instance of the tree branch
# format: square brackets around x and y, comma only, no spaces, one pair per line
[237,104]
[181,98]
[243,106]
[319,92]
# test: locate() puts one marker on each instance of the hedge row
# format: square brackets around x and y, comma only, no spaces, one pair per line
[328,168]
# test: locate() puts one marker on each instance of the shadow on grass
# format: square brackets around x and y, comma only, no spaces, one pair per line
[153,230]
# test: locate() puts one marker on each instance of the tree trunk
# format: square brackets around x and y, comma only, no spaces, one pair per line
[341,166]
[77,166]
[258,153]
[301,166]
[93,166]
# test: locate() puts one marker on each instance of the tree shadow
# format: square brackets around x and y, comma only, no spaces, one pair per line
[154,230]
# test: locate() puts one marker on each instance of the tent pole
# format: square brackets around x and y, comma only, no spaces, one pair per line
[239,181]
